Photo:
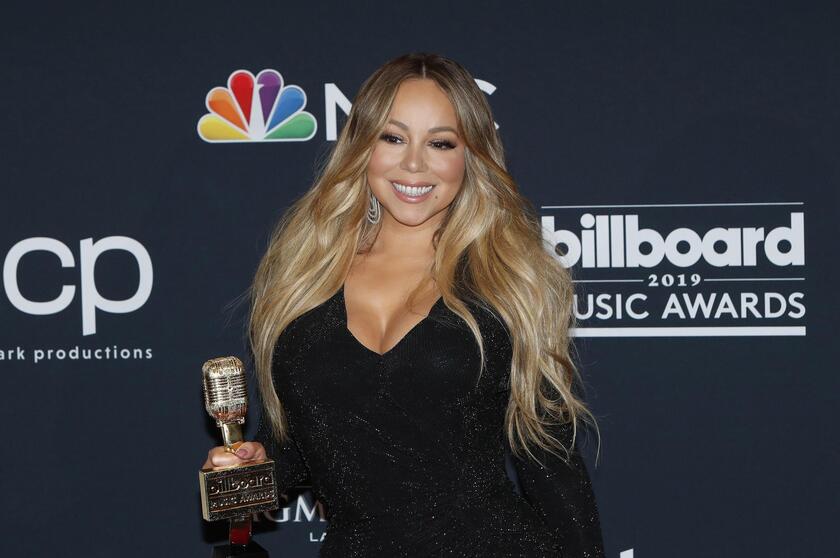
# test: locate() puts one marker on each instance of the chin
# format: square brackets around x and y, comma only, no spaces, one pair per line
[410,218]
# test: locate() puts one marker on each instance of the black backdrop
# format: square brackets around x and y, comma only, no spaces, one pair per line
[715,386]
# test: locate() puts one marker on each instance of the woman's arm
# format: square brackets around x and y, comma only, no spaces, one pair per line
[290,467]
[562,494]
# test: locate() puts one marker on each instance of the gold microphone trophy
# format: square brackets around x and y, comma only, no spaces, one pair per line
[234,492]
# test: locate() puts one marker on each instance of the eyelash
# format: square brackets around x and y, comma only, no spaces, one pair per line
[440,144]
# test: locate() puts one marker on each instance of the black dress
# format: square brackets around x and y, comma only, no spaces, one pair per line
[406,450]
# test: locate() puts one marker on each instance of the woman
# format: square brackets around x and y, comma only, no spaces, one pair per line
[381,324]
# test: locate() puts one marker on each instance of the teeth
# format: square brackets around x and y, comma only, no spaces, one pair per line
[413,191]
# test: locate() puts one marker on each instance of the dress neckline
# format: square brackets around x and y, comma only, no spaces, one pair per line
[343,308]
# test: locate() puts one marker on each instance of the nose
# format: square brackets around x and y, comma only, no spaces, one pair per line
[413,160]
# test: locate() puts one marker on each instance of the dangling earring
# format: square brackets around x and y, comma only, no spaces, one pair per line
[374,210]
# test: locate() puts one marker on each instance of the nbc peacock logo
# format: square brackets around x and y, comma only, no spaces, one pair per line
[260,108]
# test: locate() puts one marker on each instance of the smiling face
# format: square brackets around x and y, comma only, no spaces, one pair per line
[417,165]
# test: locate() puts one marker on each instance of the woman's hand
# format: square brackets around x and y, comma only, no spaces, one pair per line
[247,451]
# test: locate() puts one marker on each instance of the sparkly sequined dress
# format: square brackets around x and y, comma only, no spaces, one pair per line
[406,449]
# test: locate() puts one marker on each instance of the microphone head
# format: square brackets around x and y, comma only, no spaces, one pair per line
[225,391]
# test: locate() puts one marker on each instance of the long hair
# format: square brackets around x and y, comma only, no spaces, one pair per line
[489,247]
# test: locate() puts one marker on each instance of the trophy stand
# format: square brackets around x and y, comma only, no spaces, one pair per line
[240,541]
[236,492]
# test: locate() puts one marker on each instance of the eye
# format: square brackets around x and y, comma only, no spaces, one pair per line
[437,144]
[443,144]
[390,138]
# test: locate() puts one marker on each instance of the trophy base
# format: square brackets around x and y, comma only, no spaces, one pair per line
[252,550]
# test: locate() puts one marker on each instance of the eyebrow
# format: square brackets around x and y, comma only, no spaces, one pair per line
[432,130]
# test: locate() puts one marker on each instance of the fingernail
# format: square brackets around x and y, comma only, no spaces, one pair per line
[241,452]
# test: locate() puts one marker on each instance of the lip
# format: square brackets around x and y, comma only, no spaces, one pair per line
[409,199]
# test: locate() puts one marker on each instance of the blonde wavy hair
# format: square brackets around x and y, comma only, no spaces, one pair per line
[489,247]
